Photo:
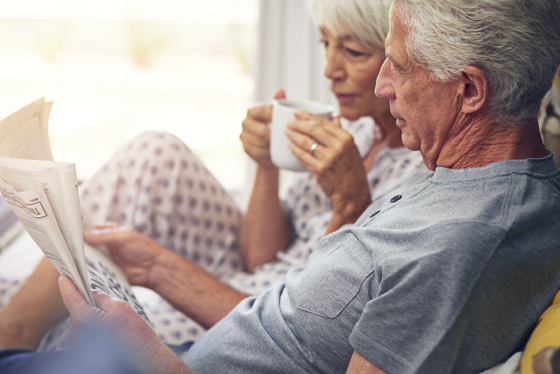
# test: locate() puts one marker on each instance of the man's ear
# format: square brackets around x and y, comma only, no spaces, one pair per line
[474,89]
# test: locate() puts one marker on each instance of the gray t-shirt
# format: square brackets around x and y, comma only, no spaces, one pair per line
[447,276]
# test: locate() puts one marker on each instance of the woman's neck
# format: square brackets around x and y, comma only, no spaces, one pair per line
[392,135]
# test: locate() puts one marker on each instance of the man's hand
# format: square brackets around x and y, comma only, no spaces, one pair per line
[118,317]
[134,253]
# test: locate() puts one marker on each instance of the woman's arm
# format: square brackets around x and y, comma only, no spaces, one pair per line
[264,230]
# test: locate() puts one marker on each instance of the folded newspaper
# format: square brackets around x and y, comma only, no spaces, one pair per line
[43,194]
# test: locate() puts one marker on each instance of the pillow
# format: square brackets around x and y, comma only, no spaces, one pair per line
[545,335]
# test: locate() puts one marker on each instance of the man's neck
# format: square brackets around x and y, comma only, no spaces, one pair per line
[481,143]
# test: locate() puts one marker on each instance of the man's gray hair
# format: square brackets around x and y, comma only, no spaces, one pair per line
[367,20]
[516,43]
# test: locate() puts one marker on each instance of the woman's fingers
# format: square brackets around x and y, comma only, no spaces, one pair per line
[261,113]
[256,135]
[312,162]
[336,121]
[318,128]
[315,131]
[280,94]
[304,143]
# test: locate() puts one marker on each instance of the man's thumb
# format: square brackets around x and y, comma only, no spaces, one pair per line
[73,299]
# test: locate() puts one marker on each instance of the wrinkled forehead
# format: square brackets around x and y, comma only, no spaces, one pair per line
[398,32]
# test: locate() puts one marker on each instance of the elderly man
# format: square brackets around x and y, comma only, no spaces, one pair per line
[447,275]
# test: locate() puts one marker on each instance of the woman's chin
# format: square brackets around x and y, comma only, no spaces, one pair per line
[351,114]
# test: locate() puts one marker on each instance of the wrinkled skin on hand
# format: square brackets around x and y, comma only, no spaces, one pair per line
[135,253]
[119,318]
[336,163]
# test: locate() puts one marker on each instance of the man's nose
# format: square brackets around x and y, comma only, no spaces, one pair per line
[384,84]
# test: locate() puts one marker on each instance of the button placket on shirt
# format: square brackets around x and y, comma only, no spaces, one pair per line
[393,200]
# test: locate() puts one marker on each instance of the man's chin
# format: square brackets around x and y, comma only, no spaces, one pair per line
[410,143]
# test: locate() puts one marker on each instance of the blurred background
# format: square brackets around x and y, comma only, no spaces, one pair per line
[116,68]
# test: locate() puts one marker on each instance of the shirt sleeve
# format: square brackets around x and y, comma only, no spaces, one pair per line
[426,304]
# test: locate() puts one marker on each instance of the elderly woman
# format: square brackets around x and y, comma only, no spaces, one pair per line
[200,222]
[448,275]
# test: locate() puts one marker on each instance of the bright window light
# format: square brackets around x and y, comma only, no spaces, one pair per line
[116,68]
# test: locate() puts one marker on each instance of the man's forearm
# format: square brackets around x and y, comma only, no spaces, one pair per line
[192,290]
[165,361]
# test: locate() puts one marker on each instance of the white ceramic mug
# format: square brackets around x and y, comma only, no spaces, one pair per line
[282,113]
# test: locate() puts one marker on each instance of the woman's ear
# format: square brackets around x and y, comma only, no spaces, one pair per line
[474,89]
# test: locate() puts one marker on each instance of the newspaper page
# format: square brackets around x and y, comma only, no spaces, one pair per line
[35,213]
[24,134]
[44,196]
[105,276]
[60,186]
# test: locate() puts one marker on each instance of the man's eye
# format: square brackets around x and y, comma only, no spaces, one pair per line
[396,68]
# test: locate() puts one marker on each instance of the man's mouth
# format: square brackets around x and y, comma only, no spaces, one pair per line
[400,120]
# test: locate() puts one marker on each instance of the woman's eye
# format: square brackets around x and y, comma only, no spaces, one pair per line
[354,53]
[324,43]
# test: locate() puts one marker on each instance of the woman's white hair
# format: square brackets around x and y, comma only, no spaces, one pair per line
[366,20]
[516,43]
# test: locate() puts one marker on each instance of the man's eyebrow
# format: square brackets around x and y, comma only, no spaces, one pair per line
[392,61]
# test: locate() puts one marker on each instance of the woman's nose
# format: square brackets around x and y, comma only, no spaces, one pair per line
[384,83]
[334,68]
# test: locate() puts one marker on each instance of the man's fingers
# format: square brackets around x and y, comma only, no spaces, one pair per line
[104,301]
[107,225]
[110,235]
[73,299]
